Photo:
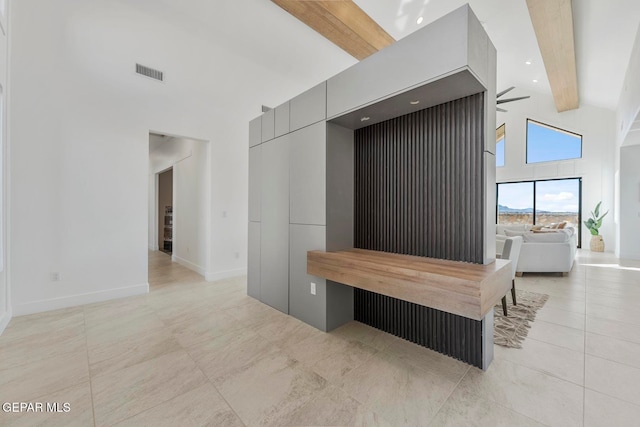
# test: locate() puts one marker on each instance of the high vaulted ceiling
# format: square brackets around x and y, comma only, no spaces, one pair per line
[259,29]
[604,34]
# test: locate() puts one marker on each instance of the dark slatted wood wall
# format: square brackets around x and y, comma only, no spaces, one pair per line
[419,191]
[418,182]
[450,334]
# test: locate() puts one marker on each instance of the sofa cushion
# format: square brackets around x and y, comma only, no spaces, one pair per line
[558,237]
[514,233]
[501,228]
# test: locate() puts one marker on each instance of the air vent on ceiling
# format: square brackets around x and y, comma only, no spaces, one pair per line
[150,72]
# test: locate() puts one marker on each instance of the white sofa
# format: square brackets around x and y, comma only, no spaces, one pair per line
[543,252]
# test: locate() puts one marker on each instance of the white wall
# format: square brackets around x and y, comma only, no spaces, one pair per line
[80,134]
[628,110]
[596,167]
[629,104]
[5,294]
[189,159]
[630,201]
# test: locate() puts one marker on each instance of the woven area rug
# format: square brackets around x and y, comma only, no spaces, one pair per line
[510,331]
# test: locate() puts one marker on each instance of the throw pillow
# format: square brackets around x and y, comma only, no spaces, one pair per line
[562,225]
[536,228]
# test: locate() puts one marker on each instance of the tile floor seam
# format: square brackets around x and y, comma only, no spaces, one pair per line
[613,361]
[555,345]
[587,316]
[86,344]
[495,402]
[435,415]
[612,337]
[136,364]
[537,320]
[541,371]
[56,390]
[186,350]
[417,366]
[584,359]
[612,397]
[327,379]
[565,310]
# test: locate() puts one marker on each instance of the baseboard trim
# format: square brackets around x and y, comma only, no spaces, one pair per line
[188,264]
[213,276]
[79,299]
[4,320]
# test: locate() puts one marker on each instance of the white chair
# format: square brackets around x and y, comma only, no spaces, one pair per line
[511,251]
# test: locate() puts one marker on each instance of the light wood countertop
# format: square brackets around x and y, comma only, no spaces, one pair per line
[461,288]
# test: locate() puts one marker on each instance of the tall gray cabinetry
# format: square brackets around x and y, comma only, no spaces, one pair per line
[288,212]
[301,158]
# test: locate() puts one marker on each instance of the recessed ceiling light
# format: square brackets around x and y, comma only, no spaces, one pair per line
[535,81]
[416,102]
[527,62]
[419,21]
[365,118]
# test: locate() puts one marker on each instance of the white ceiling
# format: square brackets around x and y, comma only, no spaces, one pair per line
[262,31]
[604,34]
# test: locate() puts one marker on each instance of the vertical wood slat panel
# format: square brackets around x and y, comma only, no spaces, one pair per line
[419,187]
[419,191]
[450,334]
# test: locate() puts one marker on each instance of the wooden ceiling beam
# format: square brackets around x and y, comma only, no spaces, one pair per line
[553,24]
[342,22]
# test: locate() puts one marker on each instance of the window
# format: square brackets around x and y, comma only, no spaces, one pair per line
[558,200]
[546,143]
[515,203]
[541,202]
[500,146]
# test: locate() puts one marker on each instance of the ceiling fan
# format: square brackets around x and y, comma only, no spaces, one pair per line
[503,101]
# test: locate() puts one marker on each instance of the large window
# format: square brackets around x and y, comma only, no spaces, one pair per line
[541,202]
[546,143]
[500,146]
[515,203]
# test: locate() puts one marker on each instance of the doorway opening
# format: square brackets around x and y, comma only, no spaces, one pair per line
[165,211]
[179,200]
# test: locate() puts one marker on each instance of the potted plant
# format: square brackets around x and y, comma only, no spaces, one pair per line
[593,224]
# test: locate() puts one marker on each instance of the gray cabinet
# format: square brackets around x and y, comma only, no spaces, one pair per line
[274,236]
[255,131]
[308,171]
[303,305]
[268,125]
[308,107]
[255,178]
[253,258]
[282,119]
[380,76]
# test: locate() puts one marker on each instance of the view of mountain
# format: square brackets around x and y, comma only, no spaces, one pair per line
[507,209]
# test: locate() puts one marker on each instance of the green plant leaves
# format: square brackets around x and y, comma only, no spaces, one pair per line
[595,222]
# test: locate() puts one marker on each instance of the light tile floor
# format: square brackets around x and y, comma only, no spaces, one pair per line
[197,353]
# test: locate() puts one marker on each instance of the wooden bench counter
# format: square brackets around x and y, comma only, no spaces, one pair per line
[466,289]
